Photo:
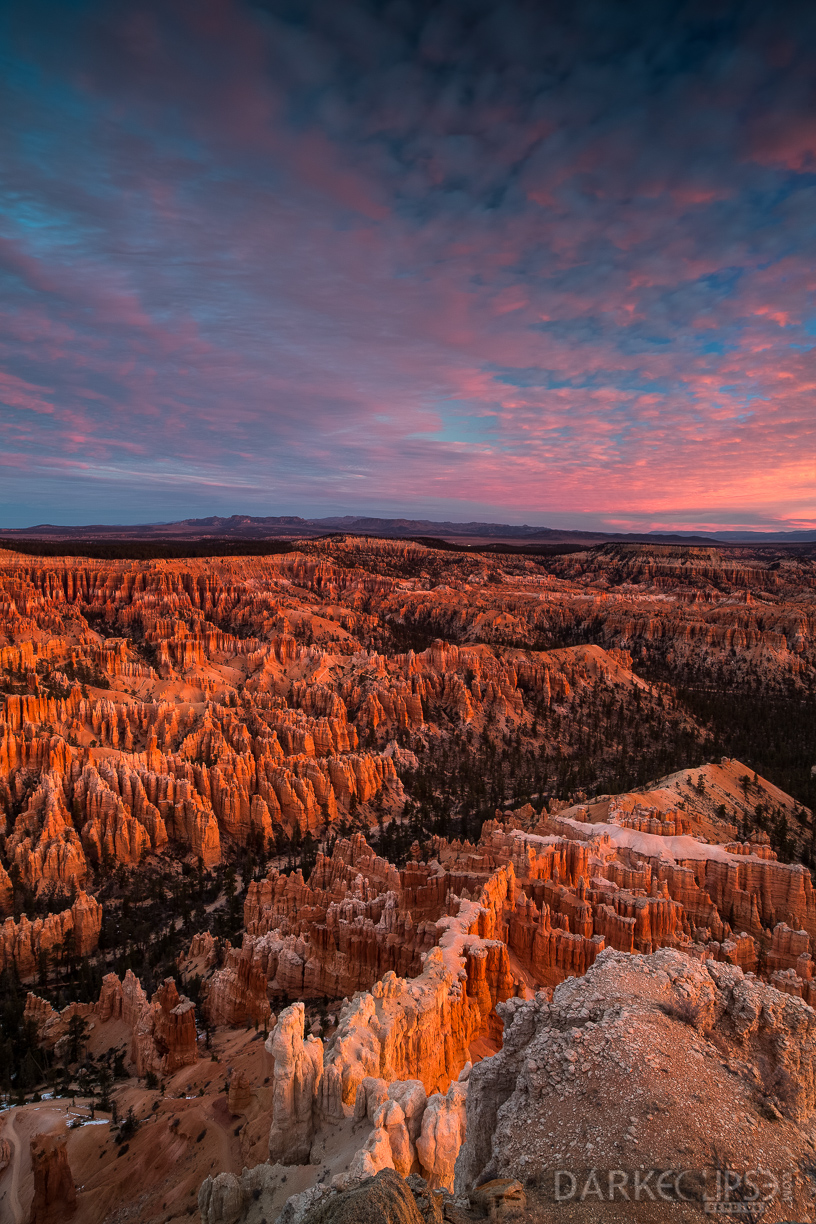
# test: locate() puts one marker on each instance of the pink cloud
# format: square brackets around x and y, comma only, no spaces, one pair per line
[17,393]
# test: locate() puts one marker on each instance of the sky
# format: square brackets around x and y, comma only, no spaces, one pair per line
[511,261]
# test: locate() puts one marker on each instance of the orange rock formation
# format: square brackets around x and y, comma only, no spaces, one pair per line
[197,709]
[71,932]
[54,1191]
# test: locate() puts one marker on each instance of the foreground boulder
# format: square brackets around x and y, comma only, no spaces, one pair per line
[384,1199]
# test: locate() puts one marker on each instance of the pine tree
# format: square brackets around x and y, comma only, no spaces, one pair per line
[77,1036]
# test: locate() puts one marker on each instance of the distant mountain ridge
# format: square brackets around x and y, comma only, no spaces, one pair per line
[290,526]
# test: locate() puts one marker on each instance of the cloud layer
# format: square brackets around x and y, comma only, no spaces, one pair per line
[459,258]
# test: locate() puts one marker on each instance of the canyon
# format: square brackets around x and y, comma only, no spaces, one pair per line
[312,864]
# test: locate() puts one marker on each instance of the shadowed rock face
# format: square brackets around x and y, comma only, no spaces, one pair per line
[54,1191]
[384,1199]
[163,1030]
[240,1094]
[172,1017]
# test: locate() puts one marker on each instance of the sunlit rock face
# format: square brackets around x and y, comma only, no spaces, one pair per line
[400,778]
[239,700]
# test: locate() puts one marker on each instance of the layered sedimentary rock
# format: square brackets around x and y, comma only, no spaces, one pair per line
[385,1198]
[553,896]
[237,991]
[239,1097]
[581,886]
[542,899]
[197,775]
[413,1035]
[356,919]
[50,1025]
[110,772]
[399,1056]
[44,846]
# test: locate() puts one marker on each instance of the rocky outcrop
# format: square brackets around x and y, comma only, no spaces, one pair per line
[239,1096]
[444,1124]
[69,934]
[384,1199]
[50,1025]
[357,918]
[54,1191]
[392,1047]
[584,886]
[164,1031]
[633,1031]
[225,1198]
[500,1198]
[44,846]
[297,1066]
[237,992]
[422,1028]
[353,923]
